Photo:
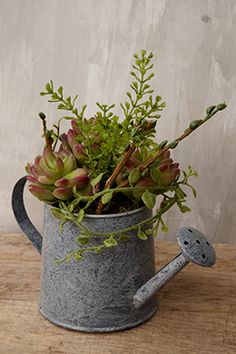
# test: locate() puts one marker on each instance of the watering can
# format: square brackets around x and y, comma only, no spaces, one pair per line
[111,291]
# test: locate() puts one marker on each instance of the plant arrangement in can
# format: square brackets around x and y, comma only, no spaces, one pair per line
[107,164]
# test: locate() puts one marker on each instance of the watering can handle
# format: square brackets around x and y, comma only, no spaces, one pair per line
[21,215]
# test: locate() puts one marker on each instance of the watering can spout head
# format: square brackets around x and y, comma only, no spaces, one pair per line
[194,247]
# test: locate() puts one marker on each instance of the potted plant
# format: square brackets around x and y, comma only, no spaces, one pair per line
[100,181]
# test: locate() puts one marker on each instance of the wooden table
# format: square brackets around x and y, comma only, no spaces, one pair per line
[197,309]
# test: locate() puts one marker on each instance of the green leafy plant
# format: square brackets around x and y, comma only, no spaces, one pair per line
[109,164]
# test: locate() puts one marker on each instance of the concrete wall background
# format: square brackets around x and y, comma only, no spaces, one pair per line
[87,46]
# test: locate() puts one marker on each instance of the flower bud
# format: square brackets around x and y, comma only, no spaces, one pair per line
[71,137]
[75,127]
[221,106]
[64,140]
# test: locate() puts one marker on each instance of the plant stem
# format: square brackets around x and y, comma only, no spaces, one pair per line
[57,127]
[187,132]
[130,148]
[115,173]
[152,219]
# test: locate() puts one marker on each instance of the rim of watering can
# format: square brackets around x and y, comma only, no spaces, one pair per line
[115,215]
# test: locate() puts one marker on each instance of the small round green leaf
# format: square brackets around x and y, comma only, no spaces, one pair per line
[134,176]
[110,242]
[195,123]
[57,213]
[106,198]
[210,109]
[173,144]
[83,240]
[96,180]
[184,208]
[162,144]
[149,199]
[148,232]
[221,106]
[164,228]
[142,235]
[80,215]
[155,174]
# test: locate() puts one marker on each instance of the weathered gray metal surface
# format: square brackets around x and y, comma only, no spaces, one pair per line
[196,247]
[160,279]
[95,294]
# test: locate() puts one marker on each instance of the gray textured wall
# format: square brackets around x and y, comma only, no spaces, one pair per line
[87,46]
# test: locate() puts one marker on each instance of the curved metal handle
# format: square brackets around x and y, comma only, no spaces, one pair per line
[21,215]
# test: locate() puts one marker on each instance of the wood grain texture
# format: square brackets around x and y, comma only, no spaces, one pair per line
[197,312]
[87,47]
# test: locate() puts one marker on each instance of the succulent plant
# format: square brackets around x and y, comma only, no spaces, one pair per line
[53,176]
[162,174]
[108,164]
[69,141]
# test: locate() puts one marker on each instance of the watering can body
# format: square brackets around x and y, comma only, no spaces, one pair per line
[111,291]
[94,294]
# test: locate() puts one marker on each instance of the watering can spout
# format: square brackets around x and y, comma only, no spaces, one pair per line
[194,247]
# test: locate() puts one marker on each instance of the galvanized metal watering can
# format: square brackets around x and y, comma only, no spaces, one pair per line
[111,291]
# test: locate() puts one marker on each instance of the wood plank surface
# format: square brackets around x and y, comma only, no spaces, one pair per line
[197,309]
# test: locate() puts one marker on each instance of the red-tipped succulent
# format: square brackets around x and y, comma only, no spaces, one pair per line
[162,174]
[53,175]
[166,171]
[70,141]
